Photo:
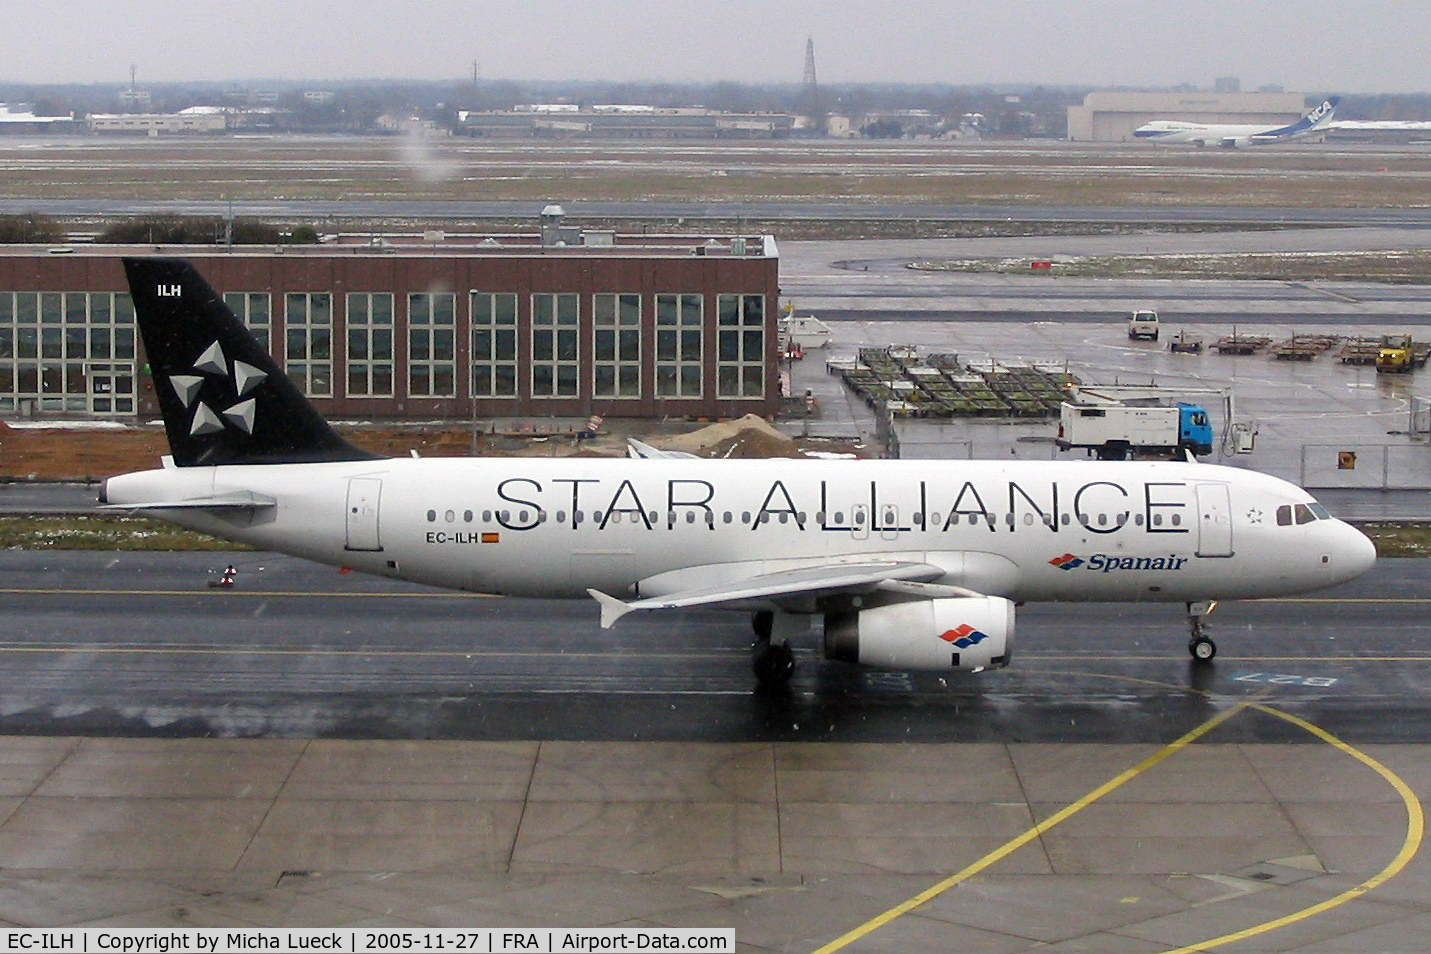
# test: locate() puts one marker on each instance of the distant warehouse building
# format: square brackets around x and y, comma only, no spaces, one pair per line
[565,324]
[561,121]
[1112,116]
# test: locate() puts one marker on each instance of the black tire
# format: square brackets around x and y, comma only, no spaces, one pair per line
[773,664]
[1202,649]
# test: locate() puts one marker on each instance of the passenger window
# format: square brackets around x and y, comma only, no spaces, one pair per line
[1284,515]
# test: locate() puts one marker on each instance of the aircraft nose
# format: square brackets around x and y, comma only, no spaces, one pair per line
[1354,552]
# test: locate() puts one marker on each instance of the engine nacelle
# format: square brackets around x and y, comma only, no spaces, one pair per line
[963,633]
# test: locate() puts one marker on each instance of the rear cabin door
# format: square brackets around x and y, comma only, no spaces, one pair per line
[1214,523]
[363,494]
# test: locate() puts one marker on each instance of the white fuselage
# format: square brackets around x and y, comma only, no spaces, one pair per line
[554,528]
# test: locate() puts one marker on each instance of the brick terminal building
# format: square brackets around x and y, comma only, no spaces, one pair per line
[565,323]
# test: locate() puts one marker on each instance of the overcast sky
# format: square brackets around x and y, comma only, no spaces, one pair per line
[1312,46]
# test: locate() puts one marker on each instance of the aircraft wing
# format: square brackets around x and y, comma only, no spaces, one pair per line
[804,581]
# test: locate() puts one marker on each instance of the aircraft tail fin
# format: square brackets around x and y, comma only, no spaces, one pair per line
[1314,120]
[224,400]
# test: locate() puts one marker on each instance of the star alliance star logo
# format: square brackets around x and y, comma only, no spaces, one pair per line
[244,378]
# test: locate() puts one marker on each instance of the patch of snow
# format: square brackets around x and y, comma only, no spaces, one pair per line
[66,425]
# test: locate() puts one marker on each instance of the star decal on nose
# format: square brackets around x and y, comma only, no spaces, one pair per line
[243,380]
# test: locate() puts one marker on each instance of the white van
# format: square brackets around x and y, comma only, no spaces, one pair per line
[1143,324]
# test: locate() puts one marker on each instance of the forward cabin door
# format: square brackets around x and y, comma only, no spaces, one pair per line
[1214,521]
[363,494]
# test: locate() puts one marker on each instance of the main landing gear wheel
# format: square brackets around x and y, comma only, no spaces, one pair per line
[773,662]
[1200,645]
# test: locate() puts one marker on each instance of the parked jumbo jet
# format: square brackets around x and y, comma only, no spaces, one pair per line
[908,564]
[1236,136]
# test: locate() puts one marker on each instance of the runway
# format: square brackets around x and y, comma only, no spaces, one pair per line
[135,644]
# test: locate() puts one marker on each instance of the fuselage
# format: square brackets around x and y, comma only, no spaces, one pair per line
[554,528]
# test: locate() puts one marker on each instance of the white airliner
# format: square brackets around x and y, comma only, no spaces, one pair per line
[907,564]
[1234,136]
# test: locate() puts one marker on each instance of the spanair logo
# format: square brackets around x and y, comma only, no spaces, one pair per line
[1107,563]
[213,363]
[964,636]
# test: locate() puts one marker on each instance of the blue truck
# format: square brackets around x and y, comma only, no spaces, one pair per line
[1119,431]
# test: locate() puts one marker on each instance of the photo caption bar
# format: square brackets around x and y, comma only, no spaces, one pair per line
[366,940]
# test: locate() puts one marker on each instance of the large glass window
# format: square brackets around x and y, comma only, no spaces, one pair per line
[555,345]
[254,310]
[616,345]
[67,351]
[494,344]
[370,344]
[678,345]
[740,356]
[309,349]
[431,344]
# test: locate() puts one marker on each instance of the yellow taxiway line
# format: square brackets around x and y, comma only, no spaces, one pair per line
[1411,843]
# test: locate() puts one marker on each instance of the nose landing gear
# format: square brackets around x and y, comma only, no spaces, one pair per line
[1200,645]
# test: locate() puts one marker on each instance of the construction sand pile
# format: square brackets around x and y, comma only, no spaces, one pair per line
[749,436]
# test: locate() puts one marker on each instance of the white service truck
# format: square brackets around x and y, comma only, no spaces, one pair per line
[1116,431]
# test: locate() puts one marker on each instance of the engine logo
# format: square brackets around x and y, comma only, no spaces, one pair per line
[1066,562]
[964,636]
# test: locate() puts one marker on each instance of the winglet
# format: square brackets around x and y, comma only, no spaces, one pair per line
[612,609]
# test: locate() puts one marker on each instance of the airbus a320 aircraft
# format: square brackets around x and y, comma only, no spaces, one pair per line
[1234,136]
[907,564]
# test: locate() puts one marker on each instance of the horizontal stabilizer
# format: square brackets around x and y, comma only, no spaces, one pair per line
[240,500]
[641,449]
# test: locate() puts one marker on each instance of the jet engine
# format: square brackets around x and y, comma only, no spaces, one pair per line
[967,633]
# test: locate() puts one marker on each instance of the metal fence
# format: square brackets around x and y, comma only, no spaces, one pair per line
[1366,466]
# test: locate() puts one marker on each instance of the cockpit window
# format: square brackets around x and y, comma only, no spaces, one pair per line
[1288,514]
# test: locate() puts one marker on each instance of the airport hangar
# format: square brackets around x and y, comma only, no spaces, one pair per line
[1112,116]
[568,323]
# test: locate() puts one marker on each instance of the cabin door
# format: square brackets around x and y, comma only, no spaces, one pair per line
[1214,521]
